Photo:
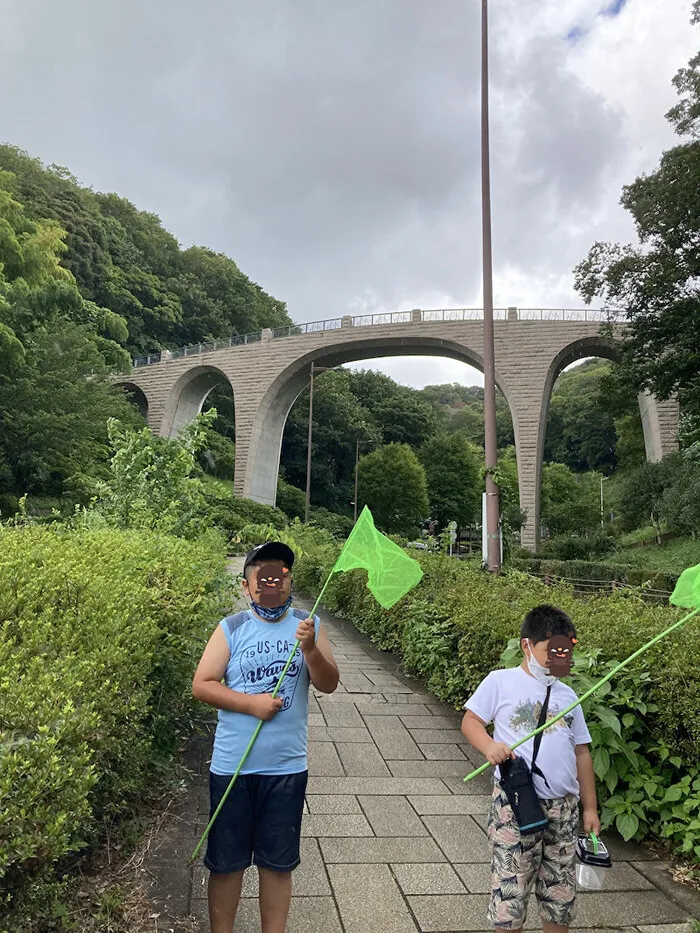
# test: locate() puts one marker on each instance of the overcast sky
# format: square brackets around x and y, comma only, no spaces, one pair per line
[331,147]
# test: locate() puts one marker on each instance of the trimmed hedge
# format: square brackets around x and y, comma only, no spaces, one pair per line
[598,572]
[100,632]
[451,631]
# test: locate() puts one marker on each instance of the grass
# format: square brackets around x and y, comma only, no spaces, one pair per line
[672,556]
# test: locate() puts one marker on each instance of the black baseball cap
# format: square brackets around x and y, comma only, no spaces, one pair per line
[271,550]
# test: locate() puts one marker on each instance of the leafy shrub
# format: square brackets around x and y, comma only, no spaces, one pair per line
[598,572]
[645,725]
[339,526]
[582,547]
[218,456]
[101,631]
[258,513]
[290,500]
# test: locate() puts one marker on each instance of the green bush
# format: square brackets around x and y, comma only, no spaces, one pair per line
[577,547]
[339,526]
[597,572]
[290,500]
[100,632]
[258,513]
[451,631]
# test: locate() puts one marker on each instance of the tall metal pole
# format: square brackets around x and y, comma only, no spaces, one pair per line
[357,470]
[493,549]
[308,448]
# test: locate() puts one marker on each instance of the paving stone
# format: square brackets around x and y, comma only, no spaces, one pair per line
[476,877]
[324,761]
[392,816]
[611,908]
[388,709]
[432,737]
[428,768]
[380,849]
[335,824]
[459,837]
[387,682]
[659,873]
[483,784]
[428,879]
[369,899]
[340,714]
[444,913]
[357,683]
[309,880]
[362,760]
[306,915]
[666,928]
[316,720]
[443,751]
[416,697]
[456,804]
[411,721]
[392,738]
[378,786]
[327,803]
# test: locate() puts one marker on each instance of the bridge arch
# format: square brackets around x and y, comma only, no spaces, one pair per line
[274,408]
[188,395]
[137,397]
[659,419]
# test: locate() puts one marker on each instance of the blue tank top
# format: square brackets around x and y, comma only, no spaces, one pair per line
[259,651]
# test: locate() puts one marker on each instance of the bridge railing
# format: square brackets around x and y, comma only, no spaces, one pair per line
[417,316]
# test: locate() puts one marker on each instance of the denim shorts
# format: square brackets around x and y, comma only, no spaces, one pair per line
[259,823]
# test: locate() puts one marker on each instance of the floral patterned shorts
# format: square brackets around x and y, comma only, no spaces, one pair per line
[544,859]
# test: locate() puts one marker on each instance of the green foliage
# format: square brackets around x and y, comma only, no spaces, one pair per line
[452,630]
[656,280]
[570,502]
[671,556]
[392,483]
[577,547]
[339,526]
[453,474]
[598,572]
[665,494]
[101,633]
[218,455]
[151,484]
[460,409]
[290,499]
[339,419]
[123,260]
[584,417]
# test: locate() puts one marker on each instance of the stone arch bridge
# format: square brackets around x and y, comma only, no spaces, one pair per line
[269,369]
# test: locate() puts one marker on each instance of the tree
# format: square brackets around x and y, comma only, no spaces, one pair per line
[586,406]
[152,483]
[339,420]
[657,281]
[461,408]
[399,412]
[570,503]
[453,473]
[392,483]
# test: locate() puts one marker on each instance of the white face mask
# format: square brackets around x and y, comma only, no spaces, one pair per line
[537,670]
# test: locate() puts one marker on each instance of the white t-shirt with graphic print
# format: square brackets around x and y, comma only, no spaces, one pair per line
[512,700]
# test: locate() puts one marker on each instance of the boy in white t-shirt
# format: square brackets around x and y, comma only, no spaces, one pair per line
[512,699]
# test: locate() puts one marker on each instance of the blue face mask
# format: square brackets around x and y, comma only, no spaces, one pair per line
[271,615]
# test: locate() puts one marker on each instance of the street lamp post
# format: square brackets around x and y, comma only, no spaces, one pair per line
[493,550]
[357,471]
[602,506]
[314,369]
[308,446]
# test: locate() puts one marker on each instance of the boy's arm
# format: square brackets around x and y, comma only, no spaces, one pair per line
[586,783]
[318,654]
[207,686]
[474,730]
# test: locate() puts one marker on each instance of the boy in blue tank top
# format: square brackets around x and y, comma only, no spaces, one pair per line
[260,821]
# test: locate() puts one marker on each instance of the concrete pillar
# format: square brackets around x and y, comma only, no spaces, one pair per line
[660,425]
[528,449]
[416,316]
[346,320]
[512,314]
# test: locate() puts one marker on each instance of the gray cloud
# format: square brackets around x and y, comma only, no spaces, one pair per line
[331,148]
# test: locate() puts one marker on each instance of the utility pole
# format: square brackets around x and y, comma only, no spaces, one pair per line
[493,549]
[357,470]
[308,447]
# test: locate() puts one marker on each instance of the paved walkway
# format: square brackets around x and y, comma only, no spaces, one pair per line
[393,840]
